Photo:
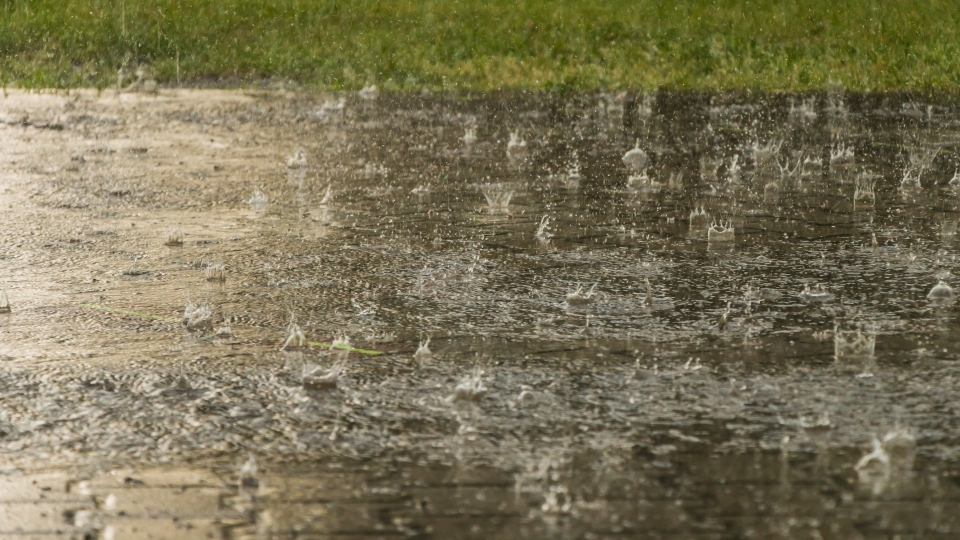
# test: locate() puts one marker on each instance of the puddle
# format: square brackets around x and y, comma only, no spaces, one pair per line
[690,317]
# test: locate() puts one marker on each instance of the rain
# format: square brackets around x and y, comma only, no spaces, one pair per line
[390,322]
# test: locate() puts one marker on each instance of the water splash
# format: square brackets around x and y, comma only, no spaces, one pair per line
[733,169]
[853,344]
[941,291]
[948,227]
[4,301]
[371,170]
[877,458]
[911,178]
[298,161]
[471,388]
[173,237]
[698,220]
[645,106]
[573,172]
[709,166]
[423,350]
[919,161]
[295,336]
[724,319]
[955,180]
[789,169]
[543,233]
[636,159]
[134,269]
[841,154]
[516,146]
[247,476]
[805,111]
[224,332]
[812,166]
[498,197]
[766,153]
[815,294]
[864,193]
[721,231]
[469,136]
[369,92]
[557,500]
[198,317]
[314,376]
[922,158]
[258,200]
[215,272]
[330,110]
[580,297]
[836,107]
[327,195]
[890,458]
[341,345]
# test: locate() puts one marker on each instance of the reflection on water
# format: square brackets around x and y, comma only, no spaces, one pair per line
[672,488]
[513,316]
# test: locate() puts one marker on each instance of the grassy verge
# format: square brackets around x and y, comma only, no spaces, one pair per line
[487,44]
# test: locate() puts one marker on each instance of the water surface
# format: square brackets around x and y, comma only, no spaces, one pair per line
[734,396]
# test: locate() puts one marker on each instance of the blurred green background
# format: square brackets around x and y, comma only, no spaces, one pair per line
[484,45]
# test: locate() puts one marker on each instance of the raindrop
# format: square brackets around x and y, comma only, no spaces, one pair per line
[580,297]
[369,92]
[498,197]
[853,344]
[841,154]
[215,272]
[724,319]
[955,181]
[470,388]
[134,269]
[173,238]
[298,161]
[720,232]
[327,195]
[900,446]
[516,146]
[941,291]
[636,159]
[788,169]
[248,473]
[815,294]
[698,220]
[543,233]
[295,336]
[224,332]
[733,169]
[423,350]
[259,200]
[316,377]
[198,316]
[876,459]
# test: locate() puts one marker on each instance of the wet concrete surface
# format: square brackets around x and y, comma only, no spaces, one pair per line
[741,340]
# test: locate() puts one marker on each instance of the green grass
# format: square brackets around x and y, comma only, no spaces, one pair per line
[487,44]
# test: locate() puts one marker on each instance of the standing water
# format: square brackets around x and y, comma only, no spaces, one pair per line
[665,315]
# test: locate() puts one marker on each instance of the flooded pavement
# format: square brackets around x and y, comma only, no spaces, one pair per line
[265,315]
